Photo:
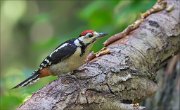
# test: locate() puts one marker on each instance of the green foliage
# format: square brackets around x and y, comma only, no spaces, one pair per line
[44,25]
[10,101]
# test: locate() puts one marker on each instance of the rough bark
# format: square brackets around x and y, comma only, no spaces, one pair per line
[127,74]
[168,87]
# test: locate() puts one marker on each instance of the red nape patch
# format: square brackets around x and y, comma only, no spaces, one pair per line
[86,31]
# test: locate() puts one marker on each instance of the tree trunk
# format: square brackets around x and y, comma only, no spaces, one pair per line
[126,74]
[166,97]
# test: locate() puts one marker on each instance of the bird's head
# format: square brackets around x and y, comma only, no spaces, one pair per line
[89,36]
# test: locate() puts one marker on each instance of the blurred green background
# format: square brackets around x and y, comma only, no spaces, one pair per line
[30,30]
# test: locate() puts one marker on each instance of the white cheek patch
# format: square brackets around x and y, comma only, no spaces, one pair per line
[84,39]
[87,40]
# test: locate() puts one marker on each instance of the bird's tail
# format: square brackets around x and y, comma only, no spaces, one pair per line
[32,79]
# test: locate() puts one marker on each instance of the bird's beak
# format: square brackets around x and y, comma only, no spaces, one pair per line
[101,34]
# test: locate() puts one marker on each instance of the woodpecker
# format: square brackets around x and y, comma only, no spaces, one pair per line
[67,57]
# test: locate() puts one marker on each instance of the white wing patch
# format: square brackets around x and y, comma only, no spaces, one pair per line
[47,60]
[76,42]
[58,48]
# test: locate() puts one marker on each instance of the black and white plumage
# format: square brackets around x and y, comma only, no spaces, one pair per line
[65,58]
[61,52]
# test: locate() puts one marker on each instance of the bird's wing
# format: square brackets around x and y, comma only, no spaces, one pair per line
[60,53]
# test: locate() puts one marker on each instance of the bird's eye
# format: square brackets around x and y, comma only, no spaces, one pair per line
[90,35]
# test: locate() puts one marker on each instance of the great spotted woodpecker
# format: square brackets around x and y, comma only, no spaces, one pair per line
[65,58]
